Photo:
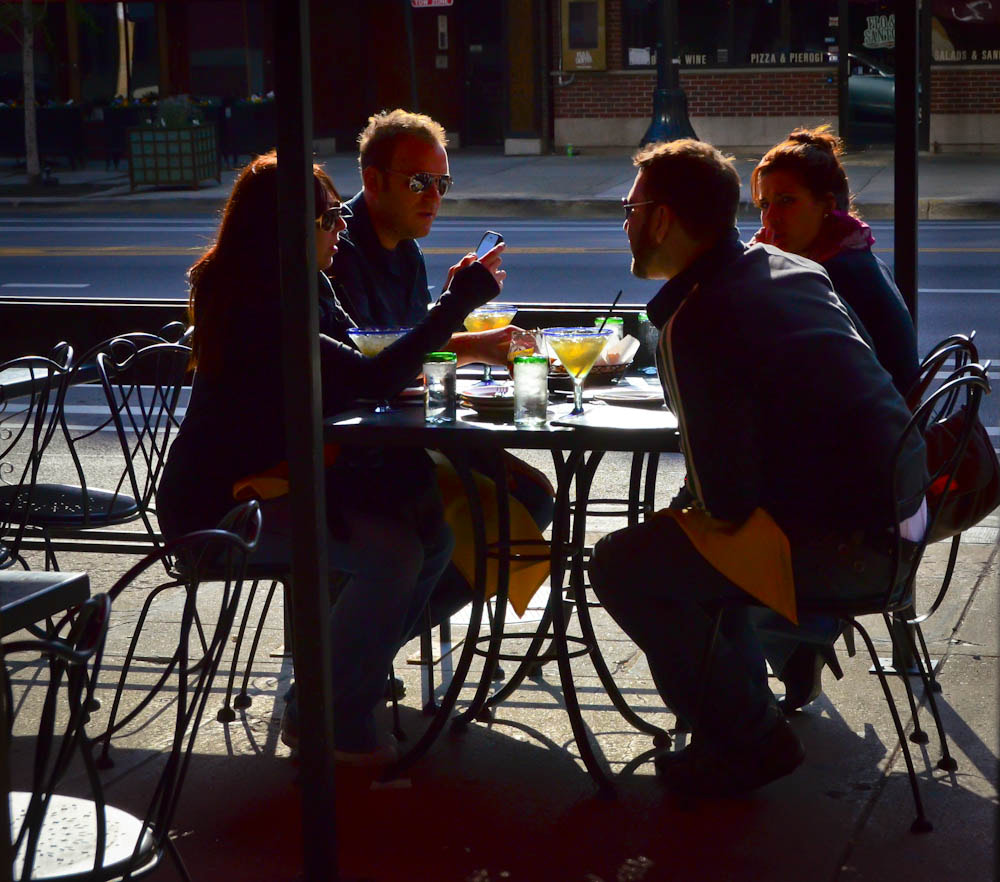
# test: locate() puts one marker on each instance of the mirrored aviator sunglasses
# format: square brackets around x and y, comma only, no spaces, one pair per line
[422,180]
[328,219]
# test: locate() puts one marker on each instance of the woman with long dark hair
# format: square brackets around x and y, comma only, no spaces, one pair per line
[386,528]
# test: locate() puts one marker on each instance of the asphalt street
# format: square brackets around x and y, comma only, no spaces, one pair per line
[548,261]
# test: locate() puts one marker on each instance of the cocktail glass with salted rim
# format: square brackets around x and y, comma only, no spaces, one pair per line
[488,318]
[371,341]
[577,349]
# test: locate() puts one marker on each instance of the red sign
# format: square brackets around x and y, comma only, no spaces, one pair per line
[423,4]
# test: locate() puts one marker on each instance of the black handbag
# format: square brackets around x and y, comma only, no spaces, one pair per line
[976,488]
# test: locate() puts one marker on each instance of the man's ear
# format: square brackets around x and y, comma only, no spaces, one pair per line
[660,221]
[370,180]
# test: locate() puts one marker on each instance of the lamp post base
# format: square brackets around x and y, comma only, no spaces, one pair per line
[670,117]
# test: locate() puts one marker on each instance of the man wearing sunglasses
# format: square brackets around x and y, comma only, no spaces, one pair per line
[382,278]
[404,174]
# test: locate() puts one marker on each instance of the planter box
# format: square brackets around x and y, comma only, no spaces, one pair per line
[183,157]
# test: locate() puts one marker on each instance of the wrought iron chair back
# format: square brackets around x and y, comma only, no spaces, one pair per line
[960,348]
[141,377]
[27,425]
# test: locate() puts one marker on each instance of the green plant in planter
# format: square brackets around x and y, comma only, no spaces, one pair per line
[178,113]
[177,150]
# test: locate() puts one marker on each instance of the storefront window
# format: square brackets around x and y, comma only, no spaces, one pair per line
[735,33]
[965,32]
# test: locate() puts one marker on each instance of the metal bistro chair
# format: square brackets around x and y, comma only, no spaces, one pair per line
[28,423]
[135,845]
[38,817]
[897,597]
[961,349]
[141,378]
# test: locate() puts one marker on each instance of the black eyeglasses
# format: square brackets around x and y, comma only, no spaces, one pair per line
[628,206]
[420,181]
[328,219]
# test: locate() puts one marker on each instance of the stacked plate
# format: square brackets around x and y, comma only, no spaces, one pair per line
[631,396]
[495,400]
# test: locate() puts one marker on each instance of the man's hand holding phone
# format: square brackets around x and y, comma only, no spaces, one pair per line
[488,252]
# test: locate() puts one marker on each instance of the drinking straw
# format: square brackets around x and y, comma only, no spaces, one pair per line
[611,309]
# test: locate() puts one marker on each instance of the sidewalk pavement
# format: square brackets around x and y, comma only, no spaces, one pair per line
[510,800]
[591,183]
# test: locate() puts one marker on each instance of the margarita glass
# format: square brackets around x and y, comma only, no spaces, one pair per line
[371,341]
[488,318]
[577,349]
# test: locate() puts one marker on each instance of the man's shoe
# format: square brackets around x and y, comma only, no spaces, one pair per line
[803,678]
[700,771]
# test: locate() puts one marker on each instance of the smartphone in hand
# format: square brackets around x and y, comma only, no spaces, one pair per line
[489,241]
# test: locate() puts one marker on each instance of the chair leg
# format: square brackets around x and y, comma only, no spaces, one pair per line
[178,862]
[947,761]
[498,672]
[243,700]
[430,705]
[849,642]
[918,736]
[921,824]
[928,662]
[397,729]
[226,714]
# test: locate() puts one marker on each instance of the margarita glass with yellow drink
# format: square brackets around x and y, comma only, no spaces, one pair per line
[577,349]
[488,318]
[371,341]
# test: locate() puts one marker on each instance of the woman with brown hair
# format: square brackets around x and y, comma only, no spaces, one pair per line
[385,523]
[801,189]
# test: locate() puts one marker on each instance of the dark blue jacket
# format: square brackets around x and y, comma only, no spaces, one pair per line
[382,289]
[782,404]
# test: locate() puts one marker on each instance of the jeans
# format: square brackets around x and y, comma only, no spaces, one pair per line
[392,574]
[662,593]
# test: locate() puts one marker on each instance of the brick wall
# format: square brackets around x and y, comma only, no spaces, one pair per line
[965,90]
[722,93]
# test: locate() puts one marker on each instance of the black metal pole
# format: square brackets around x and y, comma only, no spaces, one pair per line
[905,185]
[906,198]
[408,15]
[670,116]
[843,68]
[924,92]
[303,419]
[128,52]
[6,847]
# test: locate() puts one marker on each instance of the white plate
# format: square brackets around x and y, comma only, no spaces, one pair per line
[630,395]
